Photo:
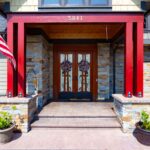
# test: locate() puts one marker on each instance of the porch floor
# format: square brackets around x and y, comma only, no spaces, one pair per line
[76,115]
[78,109]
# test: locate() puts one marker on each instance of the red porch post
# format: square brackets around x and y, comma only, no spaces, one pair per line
[128,60]
[11,75]
[138,59]
[21,60]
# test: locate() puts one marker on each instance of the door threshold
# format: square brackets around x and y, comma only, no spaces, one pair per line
[74,100]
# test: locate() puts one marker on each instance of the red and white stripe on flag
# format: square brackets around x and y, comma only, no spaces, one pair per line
[4,49]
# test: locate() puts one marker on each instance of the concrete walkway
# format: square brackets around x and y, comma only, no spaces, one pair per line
[75,139]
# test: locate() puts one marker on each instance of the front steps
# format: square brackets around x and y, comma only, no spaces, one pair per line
[76,115]
[75,122]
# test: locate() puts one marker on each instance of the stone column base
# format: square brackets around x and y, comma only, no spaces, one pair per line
[128,110]
[22,110]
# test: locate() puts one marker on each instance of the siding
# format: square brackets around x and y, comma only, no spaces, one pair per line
[24,5]
[146,70]
[147,38]
[126,5]
[117,5]
[3,75]
[2,23]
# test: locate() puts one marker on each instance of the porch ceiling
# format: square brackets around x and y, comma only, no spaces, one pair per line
[78,31]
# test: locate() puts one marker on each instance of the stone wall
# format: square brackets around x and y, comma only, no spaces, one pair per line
[119,69]
[39,77]
[21,109]
[128,110]
[110,70]
[45,70]
[34,64]
[51,70]
[103,70]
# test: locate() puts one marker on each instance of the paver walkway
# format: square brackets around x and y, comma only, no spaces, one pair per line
[75,139]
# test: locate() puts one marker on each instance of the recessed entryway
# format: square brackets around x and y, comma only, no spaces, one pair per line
[78,60]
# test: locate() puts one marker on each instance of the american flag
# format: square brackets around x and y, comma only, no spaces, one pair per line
[4,49]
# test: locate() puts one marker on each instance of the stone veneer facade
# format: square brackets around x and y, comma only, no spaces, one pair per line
[128,110]
[21,109]
[110,69]
[103,71]
[39,66]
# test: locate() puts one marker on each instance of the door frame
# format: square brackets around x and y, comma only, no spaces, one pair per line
[58,48]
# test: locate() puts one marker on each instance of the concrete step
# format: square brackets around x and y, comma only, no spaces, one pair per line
[76,122]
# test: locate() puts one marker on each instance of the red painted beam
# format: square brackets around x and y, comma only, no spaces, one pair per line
[128,60]
[76,18]
[138,59]
[11,89]
[21,61]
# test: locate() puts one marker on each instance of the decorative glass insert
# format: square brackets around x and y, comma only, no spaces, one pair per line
[51,2]
[75,2]
[84,72]
[66,72]
[99,2]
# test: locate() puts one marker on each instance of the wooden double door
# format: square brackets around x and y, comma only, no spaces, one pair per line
[75,72]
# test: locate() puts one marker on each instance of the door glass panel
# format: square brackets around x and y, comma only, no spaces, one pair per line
[66,72]
[84,72]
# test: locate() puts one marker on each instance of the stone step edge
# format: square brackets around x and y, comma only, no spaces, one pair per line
[46,127]
[100,117]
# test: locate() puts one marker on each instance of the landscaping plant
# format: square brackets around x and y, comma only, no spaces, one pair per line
[145,120]
[5,120]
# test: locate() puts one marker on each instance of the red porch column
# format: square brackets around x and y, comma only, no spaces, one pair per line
[11,74]
[128,60]
[21,60]
[138,59]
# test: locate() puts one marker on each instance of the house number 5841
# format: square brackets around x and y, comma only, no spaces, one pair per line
[75,18]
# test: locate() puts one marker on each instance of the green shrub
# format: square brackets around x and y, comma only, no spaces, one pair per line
[5,120]
[145,120]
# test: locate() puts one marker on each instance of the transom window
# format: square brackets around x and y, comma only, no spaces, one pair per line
[74,2]
[65,3]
